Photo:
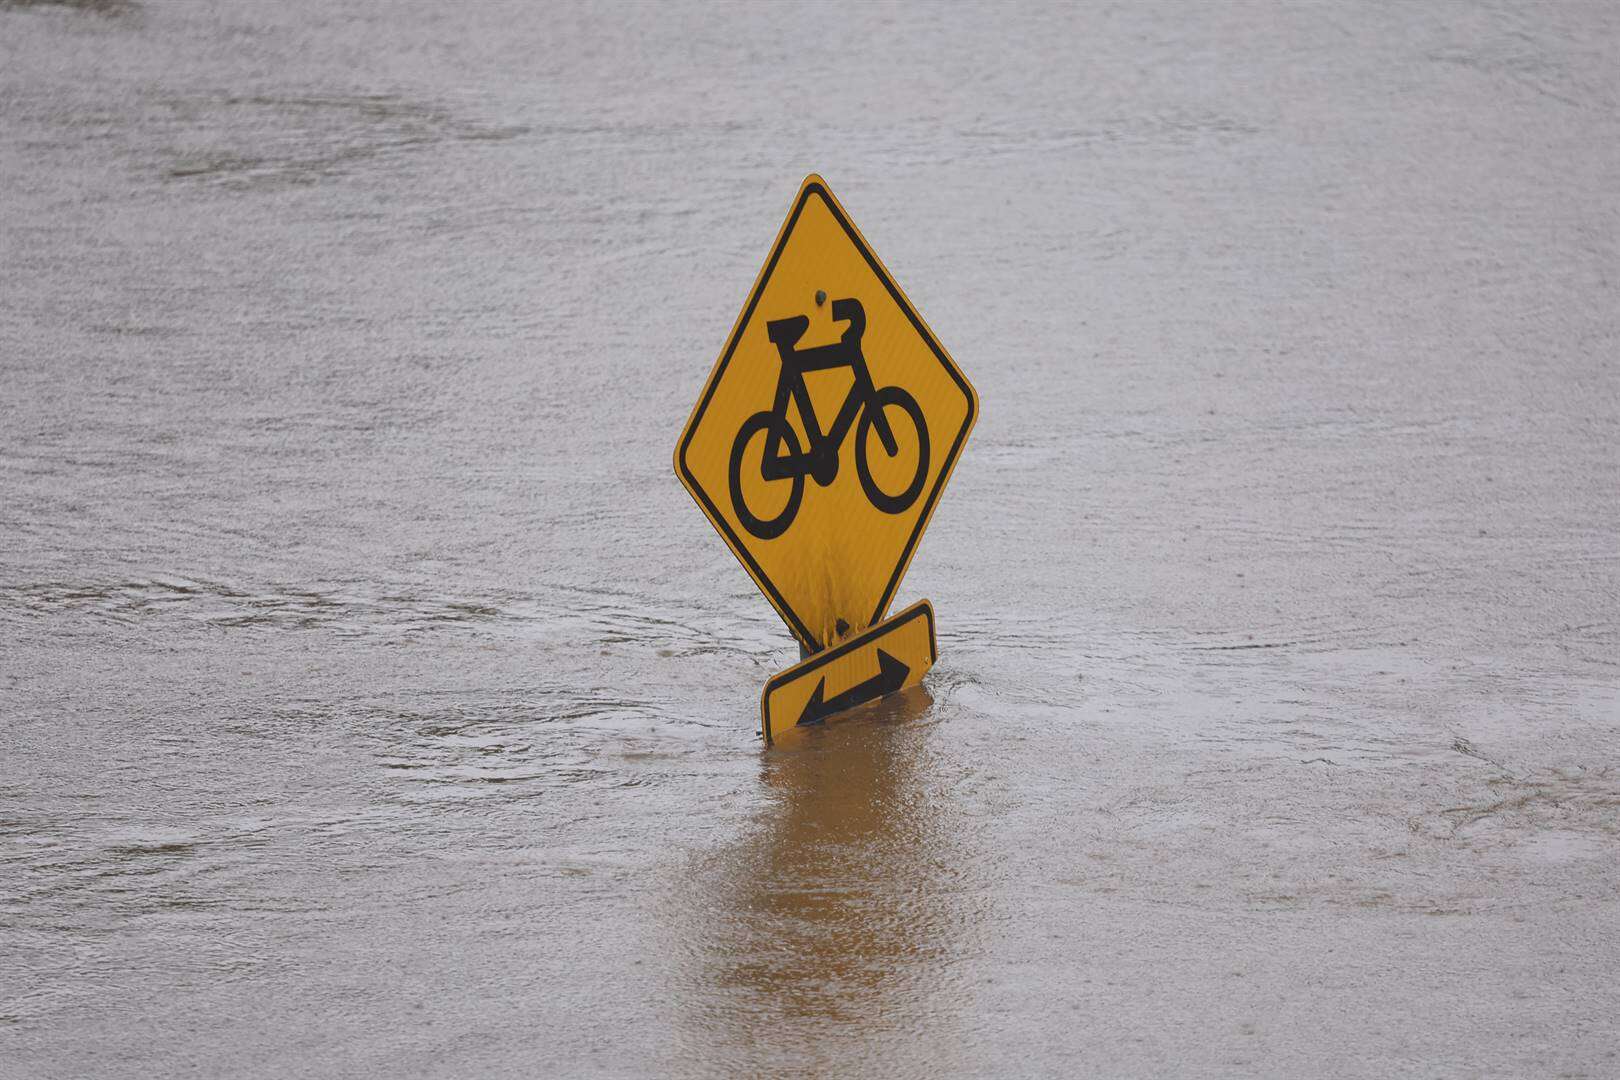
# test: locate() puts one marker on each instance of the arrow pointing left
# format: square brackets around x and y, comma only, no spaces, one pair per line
[891,676]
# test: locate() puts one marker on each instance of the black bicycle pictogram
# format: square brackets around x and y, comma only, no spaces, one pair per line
[821,459]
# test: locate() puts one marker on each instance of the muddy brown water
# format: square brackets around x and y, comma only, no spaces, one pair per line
[373,701]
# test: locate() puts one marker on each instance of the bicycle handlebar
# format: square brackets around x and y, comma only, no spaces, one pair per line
[851,310]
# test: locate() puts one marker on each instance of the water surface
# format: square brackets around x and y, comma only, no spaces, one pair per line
[373,701]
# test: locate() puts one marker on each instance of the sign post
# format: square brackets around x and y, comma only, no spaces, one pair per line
[823,439]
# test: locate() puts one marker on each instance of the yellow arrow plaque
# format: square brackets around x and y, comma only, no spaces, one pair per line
[828,427]
[885,658]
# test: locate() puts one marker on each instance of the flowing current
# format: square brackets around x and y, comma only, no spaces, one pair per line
[374,701]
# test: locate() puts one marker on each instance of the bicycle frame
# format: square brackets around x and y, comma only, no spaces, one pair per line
[820,458]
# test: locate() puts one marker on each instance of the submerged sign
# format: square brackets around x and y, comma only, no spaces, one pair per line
[888,657]
[828,428]
[818,450]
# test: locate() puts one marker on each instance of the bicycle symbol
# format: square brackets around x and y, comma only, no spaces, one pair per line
[821,459]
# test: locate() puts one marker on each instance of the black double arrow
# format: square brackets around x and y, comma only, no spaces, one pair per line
[891,676]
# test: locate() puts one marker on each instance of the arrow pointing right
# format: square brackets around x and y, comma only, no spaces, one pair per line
[891,676]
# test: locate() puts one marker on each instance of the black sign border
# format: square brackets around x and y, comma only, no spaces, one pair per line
[795,623]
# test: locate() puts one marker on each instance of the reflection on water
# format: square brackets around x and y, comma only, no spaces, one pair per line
[839,917]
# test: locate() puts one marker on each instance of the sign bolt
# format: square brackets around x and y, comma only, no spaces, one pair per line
[821,297]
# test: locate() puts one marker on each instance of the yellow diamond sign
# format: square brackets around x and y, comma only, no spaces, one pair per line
[828,428]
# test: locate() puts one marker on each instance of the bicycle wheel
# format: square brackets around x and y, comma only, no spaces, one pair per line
[892,395]
[764,528]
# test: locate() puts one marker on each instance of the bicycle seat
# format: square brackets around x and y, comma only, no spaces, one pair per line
[785,333]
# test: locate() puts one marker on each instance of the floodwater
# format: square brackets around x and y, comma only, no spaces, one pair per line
[374,701]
